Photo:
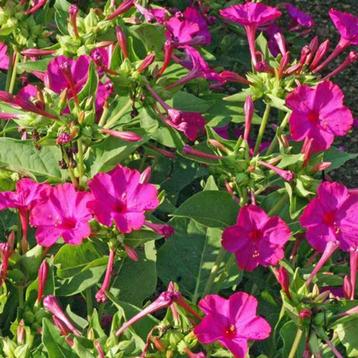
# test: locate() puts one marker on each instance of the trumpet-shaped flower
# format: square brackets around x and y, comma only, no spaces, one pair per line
[232,322]
[318,113]
[120,197]
[256,238]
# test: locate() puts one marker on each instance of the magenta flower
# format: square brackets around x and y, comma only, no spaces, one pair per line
[158,14]
[299,17]
[4,58]
[331,221]
[188,28]
[190,123]
[347,26]
[251,16]
[66,73]
[64,214]
[318,113]
[120,197]
[232,322]
[256,238]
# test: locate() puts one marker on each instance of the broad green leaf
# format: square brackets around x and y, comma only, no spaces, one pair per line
[30,66]
[190,103]
[189,255]
[136,281]
[150,36]
[337,158]
[22,157]
[288,333]
[107,154]
[90,87]
[54,343]
[210,208]
[347,334]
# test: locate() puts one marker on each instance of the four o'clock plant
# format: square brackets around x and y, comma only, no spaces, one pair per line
[163,181]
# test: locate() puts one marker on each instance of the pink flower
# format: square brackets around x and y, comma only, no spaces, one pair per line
[346,24]
[4,58]
[188,28]
[332,216]
[232,322]
[251,16]
[64,214]
[256,238]
[299,17]
[119,196]
[318,113]
[158,14]
[331,222]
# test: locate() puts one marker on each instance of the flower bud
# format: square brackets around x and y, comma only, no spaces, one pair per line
[168,50]
[122,41]
[131,253]
[149,59]
[284,280]
[42,278]
[121,9]
[161,229]
[249,113]
[123,135]
[187,149]
[305,313]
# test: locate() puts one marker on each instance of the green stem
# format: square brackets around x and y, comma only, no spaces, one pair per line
[89,302]
[118,115]
[279,130]
[14,72]
[80,160]
[70,170]
[214,271]
[103,118]
[296,343]
[264,122]
[21,297]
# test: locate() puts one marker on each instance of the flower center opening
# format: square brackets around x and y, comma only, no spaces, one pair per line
[120,207]
[230,331]
[255,235]
[313,117]
[329,218]
[68,223]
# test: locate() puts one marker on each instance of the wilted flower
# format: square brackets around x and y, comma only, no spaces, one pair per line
[101,294]
[64,214]
[232,322]
[318,113]
[119,197]
[256,238]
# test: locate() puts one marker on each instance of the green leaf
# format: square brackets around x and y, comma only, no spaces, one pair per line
[90,87]
[22,157]
[188,102]
[189,255]
[347,334]
[337,158]
[110,152]
[31,66]
[137,280]
[210,208]
[54,343]
[149,35]
[61,15]
[288,333]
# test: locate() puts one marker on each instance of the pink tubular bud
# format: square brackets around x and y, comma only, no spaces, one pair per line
[36,52]
[331,247]
[42,278]
[216,144]
[122,41]
[21,333]
[341,46]
[73,11]
[306,150]
[61,326]
[131,253]
[281,42]
[347,287]
[40,4]
[313,45]
[283,63]
[168,51]
[350,59]
[284,280]
[229,76]
[305,313]
[320,53]
[149,59]
[304,53]
[145,175]
[162,151]
[123,135]
[99,349]
[187,149]
[5,253]
[249,113]
[353,271]
[101,294]
[321,166]
[51,304]
[161,229]
[121,9]
[286,175]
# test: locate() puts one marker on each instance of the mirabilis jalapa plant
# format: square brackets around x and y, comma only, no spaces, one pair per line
[129,130]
